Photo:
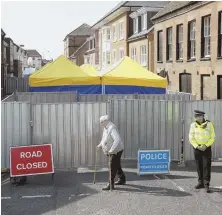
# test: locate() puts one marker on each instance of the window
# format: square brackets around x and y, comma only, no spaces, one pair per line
[133,54]
[144,21]
[108,36]
[169,44]
[179,45]
[114,33]
[143,56]
[104,57]
[121,31]
[220,34]
[205,38]
[121,53]
[160,46]
[108,61]
[135,25]
[114,56]
[191,51]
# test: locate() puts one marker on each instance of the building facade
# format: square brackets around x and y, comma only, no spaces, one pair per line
[188,39]
[76,39]
[36,58]
[10,56]
[141,42]
[20,60]
[3,63]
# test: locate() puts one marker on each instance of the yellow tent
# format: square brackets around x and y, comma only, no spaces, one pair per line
[128,77]
[89,69]
[63,75]
[38,71]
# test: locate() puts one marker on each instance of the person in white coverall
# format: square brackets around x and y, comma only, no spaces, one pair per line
[112,146]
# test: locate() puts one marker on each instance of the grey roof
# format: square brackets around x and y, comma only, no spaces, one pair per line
[33,53]
[171,7]
[138,4]
[2,32]
[82,30]
[140,34]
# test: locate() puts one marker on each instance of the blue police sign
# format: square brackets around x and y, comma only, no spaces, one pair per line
[153,161]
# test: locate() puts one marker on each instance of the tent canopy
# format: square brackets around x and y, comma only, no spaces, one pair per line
[37,71]
[89,69]
[63,75]
[129,77]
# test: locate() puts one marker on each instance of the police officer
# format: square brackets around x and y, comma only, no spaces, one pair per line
[202,137]
[112,146]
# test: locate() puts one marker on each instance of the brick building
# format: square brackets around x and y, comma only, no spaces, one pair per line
[188,46]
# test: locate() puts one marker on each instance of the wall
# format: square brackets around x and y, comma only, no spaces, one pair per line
[202,67]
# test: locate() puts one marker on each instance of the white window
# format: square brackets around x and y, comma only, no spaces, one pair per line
[207,36]
[104,57]
[121,30]
[114,33]
[160,46]
[114,56]
[108,36]
[121,53]
[135,25]
[144,21]
[169,43]
[143,56]
[108,60]
[192,39]
[133,54]
[180,42]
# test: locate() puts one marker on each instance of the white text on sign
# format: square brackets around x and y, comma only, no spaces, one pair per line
[159,156]
[37,154]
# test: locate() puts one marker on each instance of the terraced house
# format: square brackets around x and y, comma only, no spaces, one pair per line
[188,47]
[114,29]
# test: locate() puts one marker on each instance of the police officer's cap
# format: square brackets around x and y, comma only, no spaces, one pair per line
[198,113]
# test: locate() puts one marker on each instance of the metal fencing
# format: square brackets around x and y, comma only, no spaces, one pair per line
[148,125]
[74,131]
[213,110]
[15,127]
[16,84]
[106,98]
[50,97]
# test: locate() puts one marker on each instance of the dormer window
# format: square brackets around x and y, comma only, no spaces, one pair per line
[135,25]
[91,44]
[144,21]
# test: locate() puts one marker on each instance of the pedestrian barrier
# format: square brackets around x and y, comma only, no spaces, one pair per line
[73,128]
[16,84]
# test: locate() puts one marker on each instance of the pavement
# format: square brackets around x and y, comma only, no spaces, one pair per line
[73,192]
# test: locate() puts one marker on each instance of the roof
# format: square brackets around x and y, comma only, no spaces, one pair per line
[171,7]
[2,32]
[141,34]
[82,30]
[33,53]
[129,4]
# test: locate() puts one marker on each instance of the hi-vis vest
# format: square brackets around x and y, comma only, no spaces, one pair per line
[202,134]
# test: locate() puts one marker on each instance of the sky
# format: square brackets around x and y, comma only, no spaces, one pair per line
[43,25]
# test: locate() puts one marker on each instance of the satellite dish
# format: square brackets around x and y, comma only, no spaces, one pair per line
[30,62]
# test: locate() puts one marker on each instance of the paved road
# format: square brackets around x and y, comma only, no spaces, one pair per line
[74,193]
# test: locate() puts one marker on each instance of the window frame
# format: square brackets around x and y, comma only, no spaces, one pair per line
[219,39]
[108,59]
[179,42]
[108,29]
[114,35]
[169,46]
[133,53]
[144,21]
[206,38]
[159,48]
[114,59]
[191,40]
[121,37]
[135,25]
[121,50]
[143,56]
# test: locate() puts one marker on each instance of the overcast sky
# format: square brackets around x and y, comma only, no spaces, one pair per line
[44,25]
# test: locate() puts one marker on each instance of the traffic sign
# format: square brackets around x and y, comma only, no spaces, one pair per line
[153,161]
[31,160]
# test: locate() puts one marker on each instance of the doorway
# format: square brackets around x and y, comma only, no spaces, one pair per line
[219,87]
[205,87]
[185,83]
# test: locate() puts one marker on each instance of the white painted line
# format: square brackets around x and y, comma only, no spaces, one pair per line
[37,196]
[6,197]
[220,187]
[81,194]
[177,186]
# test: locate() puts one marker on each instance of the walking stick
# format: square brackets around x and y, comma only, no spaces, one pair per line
[110,175]
[94,180]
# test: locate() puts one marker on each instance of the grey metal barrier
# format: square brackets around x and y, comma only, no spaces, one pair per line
[17,84]
[146,124]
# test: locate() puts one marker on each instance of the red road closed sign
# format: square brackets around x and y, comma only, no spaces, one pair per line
[31,160]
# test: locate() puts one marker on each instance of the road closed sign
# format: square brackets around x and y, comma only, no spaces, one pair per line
[31,160]
[153,161]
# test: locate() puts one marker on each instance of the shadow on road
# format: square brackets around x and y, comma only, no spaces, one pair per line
[156,191]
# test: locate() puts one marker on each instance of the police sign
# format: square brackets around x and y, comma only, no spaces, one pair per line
[153,161]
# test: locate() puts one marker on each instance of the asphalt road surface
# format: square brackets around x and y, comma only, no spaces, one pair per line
[73,192]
